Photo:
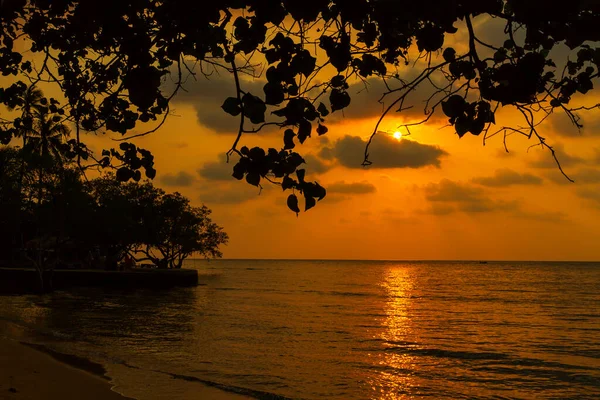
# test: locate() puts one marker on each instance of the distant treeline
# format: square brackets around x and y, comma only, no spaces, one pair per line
[52,216]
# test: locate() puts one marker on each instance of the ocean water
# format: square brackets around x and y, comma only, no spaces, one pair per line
[337,330]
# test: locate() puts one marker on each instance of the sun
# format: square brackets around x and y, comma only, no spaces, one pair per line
[397,135]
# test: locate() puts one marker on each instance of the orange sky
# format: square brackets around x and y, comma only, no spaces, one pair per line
[427,196]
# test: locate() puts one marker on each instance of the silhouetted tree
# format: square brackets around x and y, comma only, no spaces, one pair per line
[111,57]
[140,218]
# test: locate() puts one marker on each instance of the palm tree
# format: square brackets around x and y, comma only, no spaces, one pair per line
[44,142]
[30,102]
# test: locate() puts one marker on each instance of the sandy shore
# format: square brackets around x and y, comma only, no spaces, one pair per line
[26,373]
[33,373]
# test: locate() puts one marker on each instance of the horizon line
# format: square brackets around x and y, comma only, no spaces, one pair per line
[387,260]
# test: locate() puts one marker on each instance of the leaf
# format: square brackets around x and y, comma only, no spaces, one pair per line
[477,127]
[304,130]
[288,139]
[273,93]
[338,81]
[232,106]
[238,171]
[288,183]
[150,173]
[449,54]
[253,178]
[339,99]
[462,126]
[322,109]
[454,106]
[292,203]
[304,63]
[124,174]
[300,174]
[254,108]
[309,203]
[320,191]
[322,129]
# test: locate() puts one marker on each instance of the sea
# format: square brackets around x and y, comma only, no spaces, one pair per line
[277,329]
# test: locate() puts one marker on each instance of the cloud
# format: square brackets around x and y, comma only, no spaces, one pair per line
[218,170]
[367,94]
[351,188]
[508,177]
[207,94]
[592,196]
[563,126]
[181,178]
[541,216]
[315,165]
[448,197]
[546,161]
[235,193]
[384,152]
[581,176]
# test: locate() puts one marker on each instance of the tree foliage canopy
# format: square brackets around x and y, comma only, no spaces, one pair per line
[110,59]
[102,218]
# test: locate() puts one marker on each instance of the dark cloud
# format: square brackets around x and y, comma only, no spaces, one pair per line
[541,216]
[563,126]
[592,196]
[581,176]
[384,152]
[448,197]
[218,170]
[546,161]
[508,177]
[207,94]
[351,188]
[235,193]
[367,101]
[315,165]
[181,178]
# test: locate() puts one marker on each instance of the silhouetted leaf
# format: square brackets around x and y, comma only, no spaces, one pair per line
[287,183]
[339,99]
[454,106]
[304,130]
[150,173]
[124,174]
[322,109]
[449,54]
[321,129]
[253,178]
[238,171]
[300,174]
[309,203]
[254,108]
[273,93]
[288,139]
[232,106]
[292,203]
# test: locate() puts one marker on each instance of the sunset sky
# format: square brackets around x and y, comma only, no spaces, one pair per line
[429,195]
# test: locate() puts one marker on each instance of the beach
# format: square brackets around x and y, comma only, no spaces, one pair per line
[28,372]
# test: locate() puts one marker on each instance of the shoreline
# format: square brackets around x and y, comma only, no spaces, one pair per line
[29,373]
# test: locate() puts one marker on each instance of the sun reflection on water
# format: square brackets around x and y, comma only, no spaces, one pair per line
[395,379]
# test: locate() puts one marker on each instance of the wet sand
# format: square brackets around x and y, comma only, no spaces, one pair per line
[26,373]
[31,372]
